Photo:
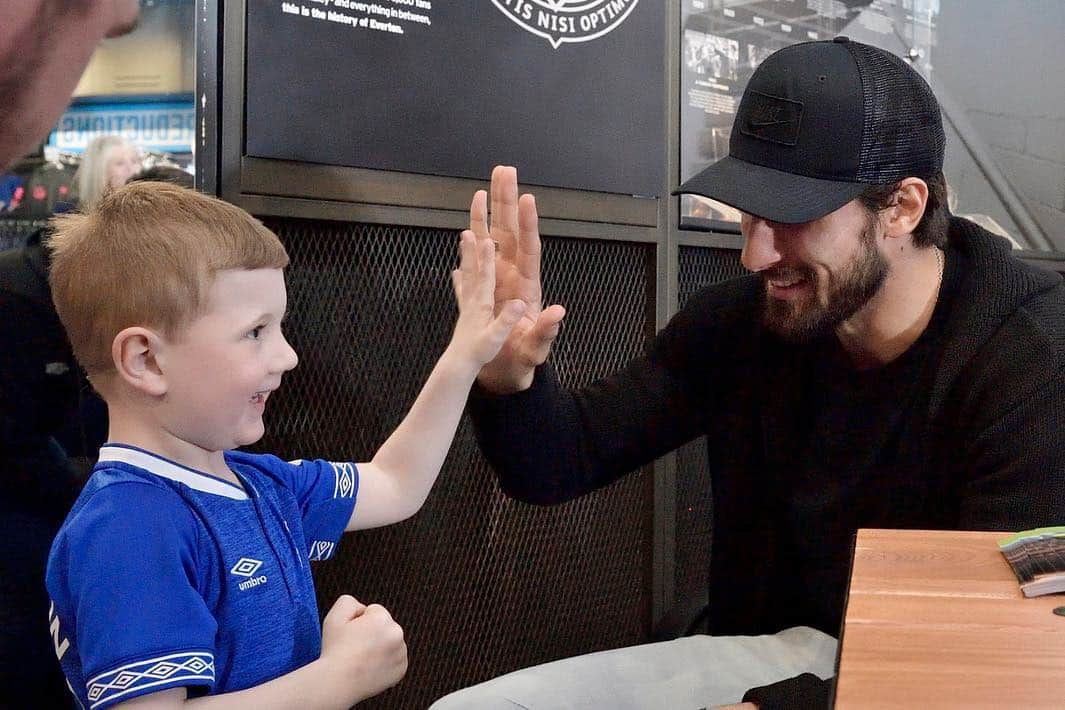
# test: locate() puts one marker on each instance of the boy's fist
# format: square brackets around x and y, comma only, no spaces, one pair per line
[365,645]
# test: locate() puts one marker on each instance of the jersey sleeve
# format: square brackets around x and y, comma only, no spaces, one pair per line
[141,621]
[325,492]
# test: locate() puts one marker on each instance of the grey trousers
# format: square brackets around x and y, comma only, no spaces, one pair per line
[686,674]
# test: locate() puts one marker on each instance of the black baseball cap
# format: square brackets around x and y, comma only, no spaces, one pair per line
[818,123]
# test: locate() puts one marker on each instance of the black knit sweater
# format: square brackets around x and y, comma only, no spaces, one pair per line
[963,431]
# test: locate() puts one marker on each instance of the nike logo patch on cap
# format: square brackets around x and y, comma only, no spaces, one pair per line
[770,118]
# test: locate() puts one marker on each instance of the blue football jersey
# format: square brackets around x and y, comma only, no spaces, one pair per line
[163,576]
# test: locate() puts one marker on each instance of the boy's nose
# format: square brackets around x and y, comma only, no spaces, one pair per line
[287,358]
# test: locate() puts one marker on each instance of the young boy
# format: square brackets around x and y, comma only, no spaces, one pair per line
[182,569]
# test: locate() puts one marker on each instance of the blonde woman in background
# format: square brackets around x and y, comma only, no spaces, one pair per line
[108,162]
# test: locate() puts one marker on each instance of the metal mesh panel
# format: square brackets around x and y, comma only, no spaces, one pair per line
[481,584]
[698,267]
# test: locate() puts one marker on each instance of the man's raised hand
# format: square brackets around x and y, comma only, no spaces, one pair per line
[513,234]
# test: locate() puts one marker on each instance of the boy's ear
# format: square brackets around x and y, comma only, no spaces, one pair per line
[905,214]
[135,353]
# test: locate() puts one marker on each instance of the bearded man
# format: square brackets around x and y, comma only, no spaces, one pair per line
[886,365]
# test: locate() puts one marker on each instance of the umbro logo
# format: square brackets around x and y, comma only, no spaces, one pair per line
[321,550]
[246,567]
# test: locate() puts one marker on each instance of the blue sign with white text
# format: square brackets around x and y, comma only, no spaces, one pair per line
[168,127]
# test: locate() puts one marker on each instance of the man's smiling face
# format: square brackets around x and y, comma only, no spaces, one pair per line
[816,274]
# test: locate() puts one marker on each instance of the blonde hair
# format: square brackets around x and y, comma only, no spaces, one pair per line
[91,178]
[146,255]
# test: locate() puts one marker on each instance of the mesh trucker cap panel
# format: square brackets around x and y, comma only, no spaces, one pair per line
[903,134]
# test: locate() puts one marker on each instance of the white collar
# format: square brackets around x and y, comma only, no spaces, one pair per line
[168,469]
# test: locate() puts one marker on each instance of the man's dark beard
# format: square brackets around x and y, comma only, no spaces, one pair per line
[805,321]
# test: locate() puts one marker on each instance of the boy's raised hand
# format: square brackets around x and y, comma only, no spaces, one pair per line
[480,331]
[365,647]
[515,238]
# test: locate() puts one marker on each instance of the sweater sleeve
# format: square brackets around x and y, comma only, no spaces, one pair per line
[1011,460]
[550,444]
[803,692]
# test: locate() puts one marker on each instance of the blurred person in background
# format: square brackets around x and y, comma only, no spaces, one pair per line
[108,162]
[50,42]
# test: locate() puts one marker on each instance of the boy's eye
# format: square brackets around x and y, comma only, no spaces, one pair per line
[254,333]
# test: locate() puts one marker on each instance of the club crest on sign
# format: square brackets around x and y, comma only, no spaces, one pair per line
[561,21]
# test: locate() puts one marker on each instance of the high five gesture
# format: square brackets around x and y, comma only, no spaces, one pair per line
[514,229]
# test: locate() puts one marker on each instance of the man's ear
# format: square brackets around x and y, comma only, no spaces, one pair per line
[901,218]
[135,353]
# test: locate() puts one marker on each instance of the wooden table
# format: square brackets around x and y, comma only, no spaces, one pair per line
[937,620]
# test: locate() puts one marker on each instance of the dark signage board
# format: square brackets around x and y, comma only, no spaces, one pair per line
[570,92]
